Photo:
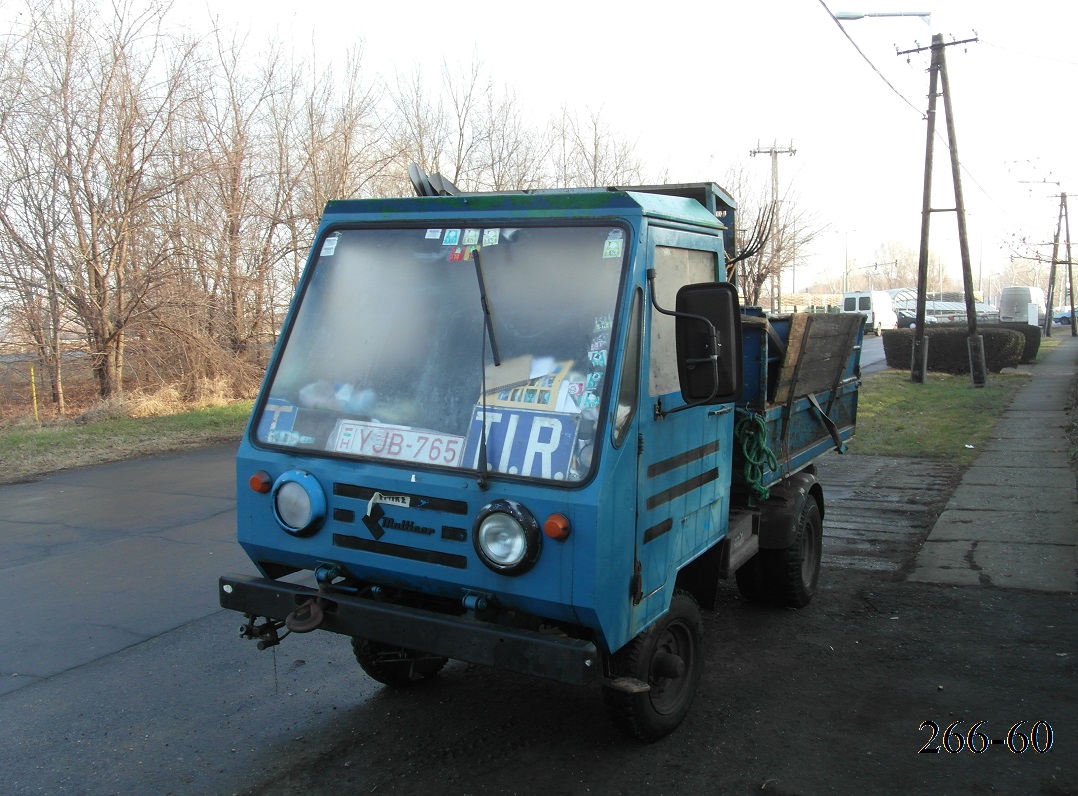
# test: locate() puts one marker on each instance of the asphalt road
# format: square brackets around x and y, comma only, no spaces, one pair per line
[872,359]
[120,674]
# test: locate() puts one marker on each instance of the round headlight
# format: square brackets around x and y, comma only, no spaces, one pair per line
[502,540]
[506,537]
[299,503]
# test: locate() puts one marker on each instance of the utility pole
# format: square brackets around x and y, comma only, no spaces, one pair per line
[1070,269]
[774,152]
[938,72]
[1055,261]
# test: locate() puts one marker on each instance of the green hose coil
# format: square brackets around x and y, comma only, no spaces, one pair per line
[750,434]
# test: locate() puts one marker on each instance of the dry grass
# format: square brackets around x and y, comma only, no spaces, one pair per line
[170,399]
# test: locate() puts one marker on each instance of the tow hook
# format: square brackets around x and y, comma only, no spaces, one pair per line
[308,615]
[266,633]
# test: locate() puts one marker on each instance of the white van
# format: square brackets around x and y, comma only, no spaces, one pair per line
[1022,304]
[876,306]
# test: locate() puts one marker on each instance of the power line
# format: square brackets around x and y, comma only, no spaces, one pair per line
[1030,55]
[867,61]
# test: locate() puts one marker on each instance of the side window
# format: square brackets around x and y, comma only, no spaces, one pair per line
[625,407]
[674,268]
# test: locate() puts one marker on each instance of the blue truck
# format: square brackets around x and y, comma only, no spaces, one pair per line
[534,431]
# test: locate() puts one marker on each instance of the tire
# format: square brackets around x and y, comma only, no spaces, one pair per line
[791,574]
[395,666]
[673,642]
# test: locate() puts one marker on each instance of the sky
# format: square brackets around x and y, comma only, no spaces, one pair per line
[698,85]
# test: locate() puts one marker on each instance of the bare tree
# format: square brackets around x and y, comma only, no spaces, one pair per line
[510,155]
[109,90]
[587,152]
[422,125]
[31,253]
[777,238]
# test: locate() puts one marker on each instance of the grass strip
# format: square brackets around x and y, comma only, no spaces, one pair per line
[944,418]
[32,450]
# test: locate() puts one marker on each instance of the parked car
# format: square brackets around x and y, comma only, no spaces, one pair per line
[908,320]
[1063,317]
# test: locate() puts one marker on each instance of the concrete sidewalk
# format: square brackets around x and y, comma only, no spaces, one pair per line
[1013,520]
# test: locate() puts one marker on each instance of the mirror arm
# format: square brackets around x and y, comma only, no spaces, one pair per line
[713,359]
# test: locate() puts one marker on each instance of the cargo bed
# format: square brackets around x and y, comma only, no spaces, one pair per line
[801,378]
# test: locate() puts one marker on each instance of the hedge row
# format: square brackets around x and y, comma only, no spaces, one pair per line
[1033,340]
[948,349]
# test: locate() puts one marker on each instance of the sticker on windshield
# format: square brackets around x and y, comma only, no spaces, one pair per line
[329,246]
[433,234]
[461,253]
[451,237]
[491,236]
[471,237]
[614,244]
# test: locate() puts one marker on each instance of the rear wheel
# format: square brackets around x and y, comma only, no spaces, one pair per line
[792,574]
[395,666]
[787,576]
[667,657]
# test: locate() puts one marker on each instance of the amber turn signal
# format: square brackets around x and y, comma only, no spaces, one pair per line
[557,527]
[261,482]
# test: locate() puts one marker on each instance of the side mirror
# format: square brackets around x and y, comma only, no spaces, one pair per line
[708,339]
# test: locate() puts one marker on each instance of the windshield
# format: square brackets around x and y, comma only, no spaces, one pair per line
[388,353]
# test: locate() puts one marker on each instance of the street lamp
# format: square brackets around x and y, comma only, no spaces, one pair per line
[846,266]
[846,15]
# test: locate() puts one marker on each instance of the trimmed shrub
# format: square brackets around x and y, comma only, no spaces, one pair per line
[1033,339]
[948,349]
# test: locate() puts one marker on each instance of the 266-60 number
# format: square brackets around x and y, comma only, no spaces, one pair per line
[1039,739]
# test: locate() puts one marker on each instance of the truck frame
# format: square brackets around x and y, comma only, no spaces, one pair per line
[534,431]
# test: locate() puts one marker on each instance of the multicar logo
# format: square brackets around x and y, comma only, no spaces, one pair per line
[407,525]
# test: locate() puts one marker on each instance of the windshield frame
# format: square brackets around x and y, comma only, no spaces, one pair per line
[631,236]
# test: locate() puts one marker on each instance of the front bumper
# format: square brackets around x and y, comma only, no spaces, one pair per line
[463,638]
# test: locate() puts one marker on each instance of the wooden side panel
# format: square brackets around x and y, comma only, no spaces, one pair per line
[816,353]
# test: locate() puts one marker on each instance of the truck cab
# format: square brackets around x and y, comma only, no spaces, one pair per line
[501,428]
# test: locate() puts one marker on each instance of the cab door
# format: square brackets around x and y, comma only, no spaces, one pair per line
[684,461]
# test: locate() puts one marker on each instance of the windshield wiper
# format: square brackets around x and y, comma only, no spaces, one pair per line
[488,329]
[486,308]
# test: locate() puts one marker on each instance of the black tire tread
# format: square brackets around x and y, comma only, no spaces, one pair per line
[631,712]
[783,567]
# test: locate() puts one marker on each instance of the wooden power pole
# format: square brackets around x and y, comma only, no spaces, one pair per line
[938,74]
[776,279]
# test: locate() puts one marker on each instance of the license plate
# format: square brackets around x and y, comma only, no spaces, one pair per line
[399,443]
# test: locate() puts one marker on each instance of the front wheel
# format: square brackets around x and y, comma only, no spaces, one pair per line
[395,666]
[667,657]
